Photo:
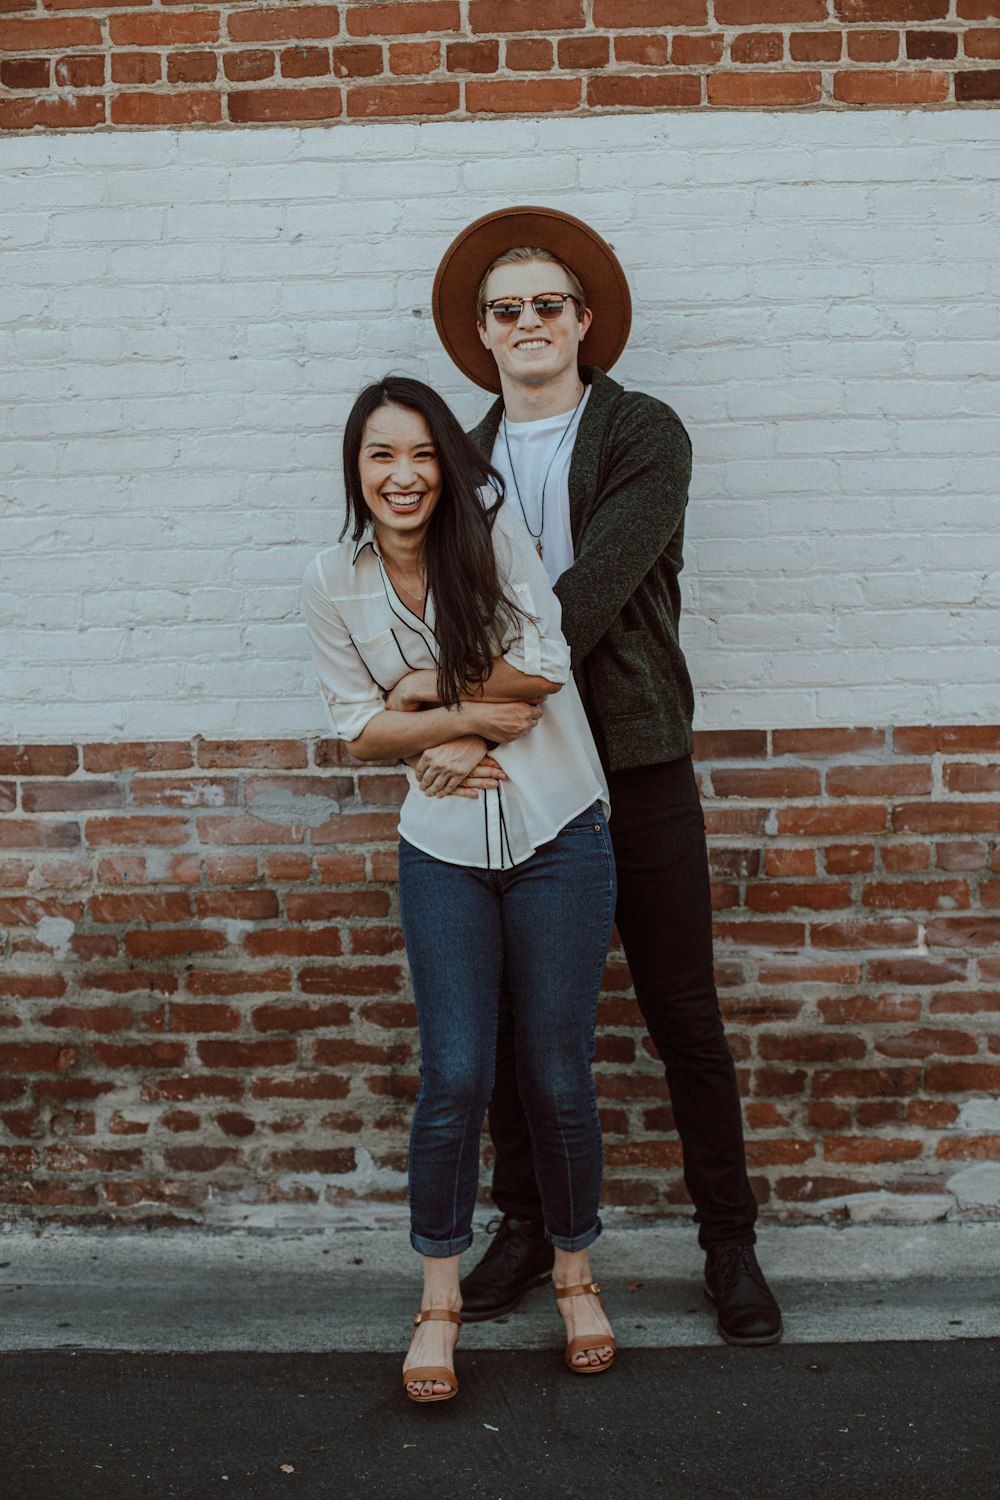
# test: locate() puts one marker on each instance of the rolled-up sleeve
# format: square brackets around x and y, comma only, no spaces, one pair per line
[352,699]
[538,649]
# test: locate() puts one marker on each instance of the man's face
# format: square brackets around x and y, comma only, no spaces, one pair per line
[533,351]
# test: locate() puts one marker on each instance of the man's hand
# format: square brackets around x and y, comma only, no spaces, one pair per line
[485,777]
[458,768]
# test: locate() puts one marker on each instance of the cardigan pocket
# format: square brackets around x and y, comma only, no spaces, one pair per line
[622,675]
[383,658]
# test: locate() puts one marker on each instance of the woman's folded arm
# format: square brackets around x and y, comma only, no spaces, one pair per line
[396,735]
[505,684]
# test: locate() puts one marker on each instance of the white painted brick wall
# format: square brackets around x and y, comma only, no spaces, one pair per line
[185,319]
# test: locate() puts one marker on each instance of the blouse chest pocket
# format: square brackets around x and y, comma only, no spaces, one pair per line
[383,658]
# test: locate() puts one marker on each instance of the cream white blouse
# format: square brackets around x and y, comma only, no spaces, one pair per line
[364,638]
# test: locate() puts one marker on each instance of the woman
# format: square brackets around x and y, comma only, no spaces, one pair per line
[434,629]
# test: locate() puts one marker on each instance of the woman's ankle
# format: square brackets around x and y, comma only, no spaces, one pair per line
[442,1289]
[441,1302]
[571,1268]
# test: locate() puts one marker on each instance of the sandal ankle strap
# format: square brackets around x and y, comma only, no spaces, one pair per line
[436,1315]
[590,1288]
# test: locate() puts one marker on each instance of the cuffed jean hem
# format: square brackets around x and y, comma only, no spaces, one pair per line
[576,1241]
[440,1248]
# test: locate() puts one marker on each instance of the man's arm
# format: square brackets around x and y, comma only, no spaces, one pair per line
[639,508]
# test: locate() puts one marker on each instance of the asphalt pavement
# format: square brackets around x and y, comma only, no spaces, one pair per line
[806,1421]
[189,1366]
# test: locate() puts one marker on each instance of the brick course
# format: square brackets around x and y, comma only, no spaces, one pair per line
[560,56]
[228,979]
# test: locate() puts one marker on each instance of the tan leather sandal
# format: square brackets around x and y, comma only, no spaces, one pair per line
[585,1342]
[433,1372]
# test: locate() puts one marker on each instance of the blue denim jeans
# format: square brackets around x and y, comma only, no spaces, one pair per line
[544,926]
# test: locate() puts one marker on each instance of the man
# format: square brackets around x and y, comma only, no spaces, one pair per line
[600,477]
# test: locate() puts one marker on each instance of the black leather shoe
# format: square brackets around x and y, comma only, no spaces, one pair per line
[746,1310]
[519,1258]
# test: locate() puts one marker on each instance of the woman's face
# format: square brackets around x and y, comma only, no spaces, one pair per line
[400,472]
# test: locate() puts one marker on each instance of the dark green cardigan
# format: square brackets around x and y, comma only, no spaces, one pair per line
[621,599]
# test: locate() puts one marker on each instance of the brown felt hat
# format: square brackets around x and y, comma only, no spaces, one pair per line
[467,258]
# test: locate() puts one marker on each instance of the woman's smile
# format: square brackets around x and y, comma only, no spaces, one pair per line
[399,471]
[403,504]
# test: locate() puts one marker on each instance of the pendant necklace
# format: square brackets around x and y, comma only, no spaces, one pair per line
[536,536]
[400,587]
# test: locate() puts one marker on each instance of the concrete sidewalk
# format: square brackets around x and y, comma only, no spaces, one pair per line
[356,1288]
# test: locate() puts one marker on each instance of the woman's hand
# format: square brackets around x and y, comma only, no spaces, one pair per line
[412,692]
[456,768]
[502,722]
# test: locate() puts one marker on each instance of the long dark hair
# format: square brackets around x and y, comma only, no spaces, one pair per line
[471,610]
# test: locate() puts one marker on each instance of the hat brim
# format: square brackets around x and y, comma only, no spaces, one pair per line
[465,262]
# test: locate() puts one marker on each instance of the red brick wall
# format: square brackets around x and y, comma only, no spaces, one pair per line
[170,62]
[203,995]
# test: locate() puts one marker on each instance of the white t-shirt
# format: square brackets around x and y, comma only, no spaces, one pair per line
[365,637]
[533,456]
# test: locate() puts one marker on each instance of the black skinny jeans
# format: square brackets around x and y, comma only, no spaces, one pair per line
[665,919]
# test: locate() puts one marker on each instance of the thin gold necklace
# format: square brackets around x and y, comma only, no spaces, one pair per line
[398,585]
